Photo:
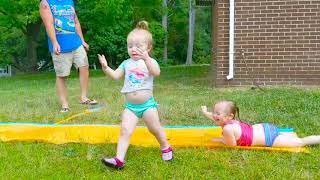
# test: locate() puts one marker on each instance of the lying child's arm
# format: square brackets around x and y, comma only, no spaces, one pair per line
[205,111]
[228,136]
[114,74]
[217,140]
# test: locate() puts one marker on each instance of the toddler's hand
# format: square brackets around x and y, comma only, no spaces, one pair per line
[103,61]
[204,109]
[143,53]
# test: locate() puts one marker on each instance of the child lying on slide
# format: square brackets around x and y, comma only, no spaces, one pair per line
[240,133]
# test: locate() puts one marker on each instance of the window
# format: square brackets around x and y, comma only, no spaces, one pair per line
[205,2]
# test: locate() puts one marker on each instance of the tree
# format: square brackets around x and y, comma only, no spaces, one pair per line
[106,25]
[21,23]
[202,36]
[192,19]
[165,27]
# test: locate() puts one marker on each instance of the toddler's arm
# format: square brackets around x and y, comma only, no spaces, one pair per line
[153,68]
[205,111]
[114,74]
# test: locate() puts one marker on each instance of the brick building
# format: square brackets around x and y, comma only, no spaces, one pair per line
[274,42]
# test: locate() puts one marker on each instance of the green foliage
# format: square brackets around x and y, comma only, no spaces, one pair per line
[16,19]
[147,10]
[158,36]
[107,23]
[12,45]
[111,21]
[105,26]
[178,33]
[18,13]
[4,54]
[202,44]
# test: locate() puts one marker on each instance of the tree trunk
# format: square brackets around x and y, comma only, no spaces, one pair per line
[32,36]
[192,20]
[165,27]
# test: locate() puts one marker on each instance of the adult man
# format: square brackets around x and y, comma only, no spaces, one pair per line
[67,47]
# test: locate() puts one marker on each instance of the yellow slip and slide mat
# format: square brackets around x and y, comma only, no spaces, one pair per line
[178,136]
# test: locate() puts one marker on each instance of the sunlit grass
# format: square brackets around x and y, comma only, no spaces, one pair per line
[180,92]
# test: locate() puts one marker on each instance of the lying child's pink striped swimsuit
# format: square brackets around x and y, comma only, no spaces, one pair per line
[270,132]
[246,133]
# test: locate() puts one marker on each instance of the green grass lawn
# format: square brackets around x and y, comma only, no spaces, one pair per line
[180,92]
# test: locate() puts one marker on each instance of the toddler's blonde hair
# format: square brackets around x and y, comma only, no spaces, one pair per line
[143,27]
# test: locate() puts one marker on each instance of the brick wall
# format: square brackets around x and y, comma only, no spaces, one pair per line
[277,42]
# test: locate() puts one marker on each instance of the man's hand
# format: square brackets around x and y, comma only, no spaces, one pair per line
[103,61]
[44,4]
[85,45]
[56,48]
